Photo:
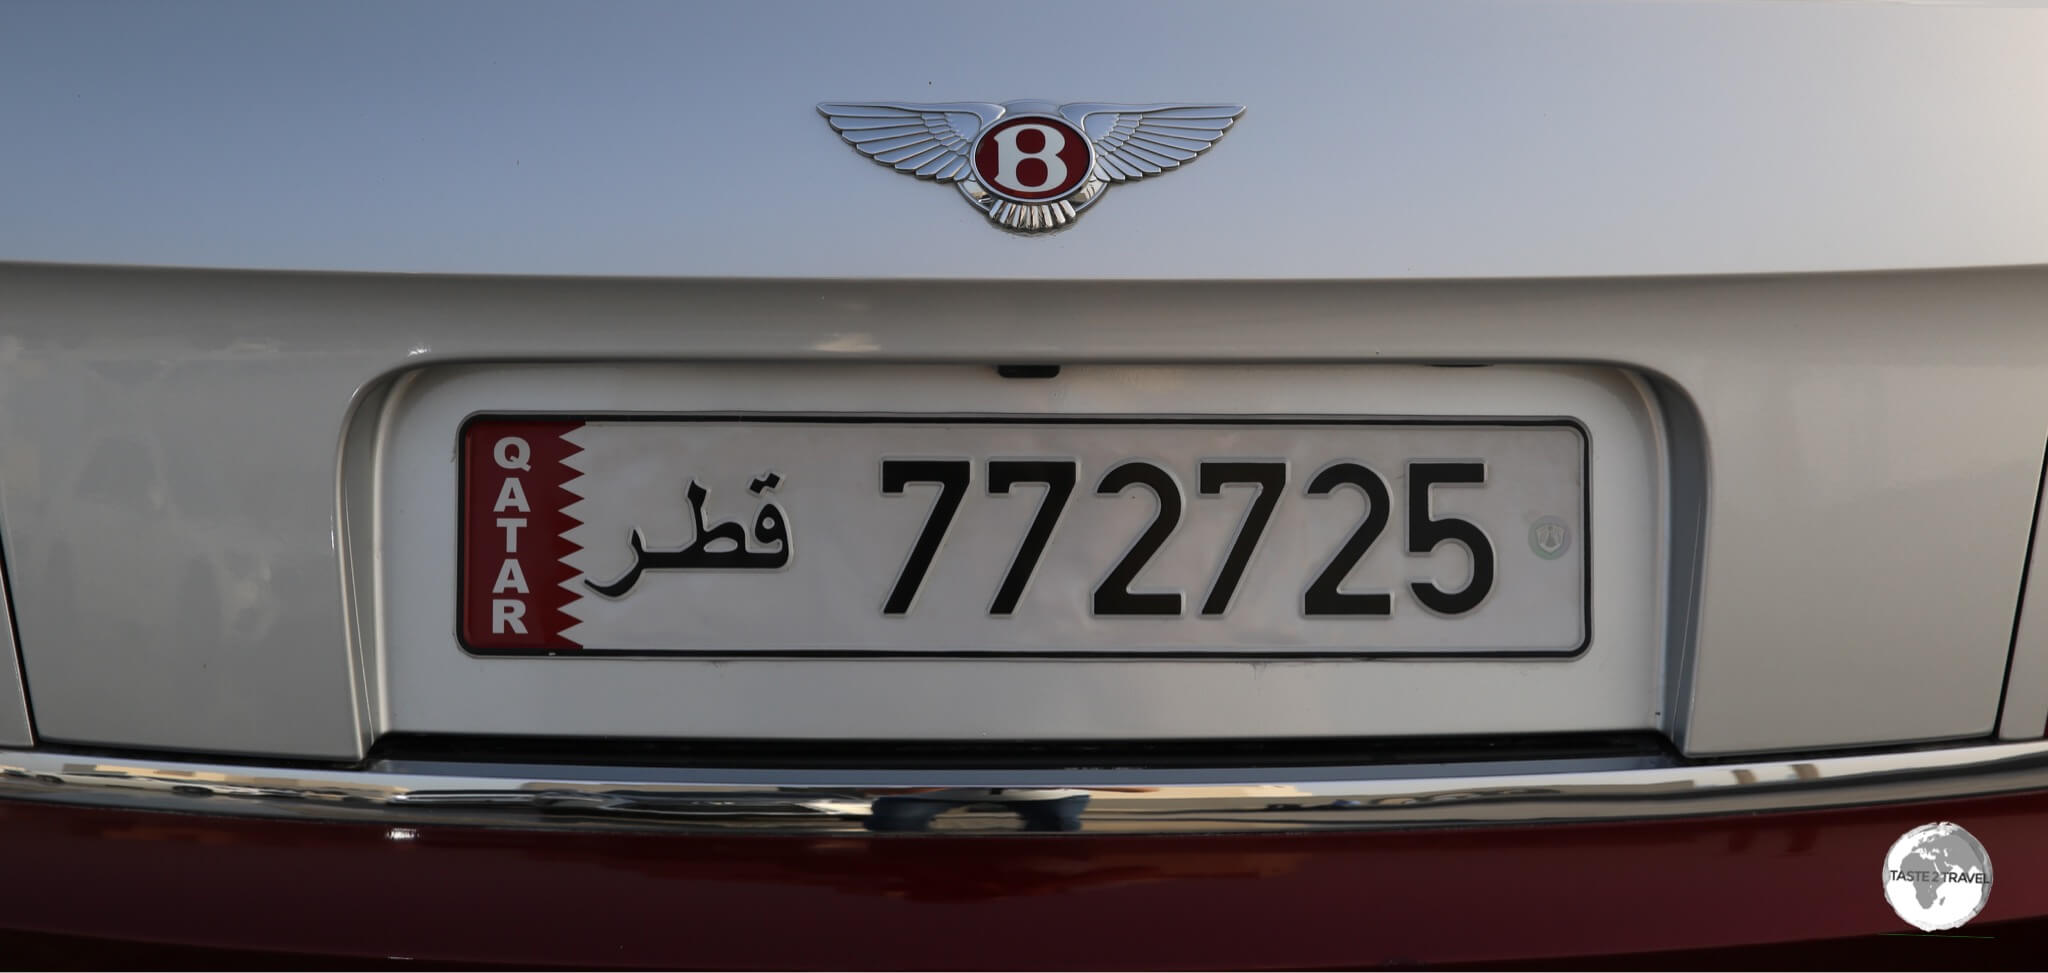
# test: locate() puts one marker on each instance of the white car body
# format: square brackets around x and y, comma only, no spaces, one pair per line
[1786,232]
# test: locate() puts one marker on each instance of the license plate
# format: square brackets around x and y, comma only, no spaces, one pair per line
[1022,536]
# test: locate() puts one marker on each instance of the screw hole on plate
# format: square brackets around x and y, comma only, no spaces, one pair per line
[1028,371]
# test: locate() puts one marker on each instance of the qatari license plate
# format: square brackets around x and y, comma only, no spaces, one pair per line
[1022,536]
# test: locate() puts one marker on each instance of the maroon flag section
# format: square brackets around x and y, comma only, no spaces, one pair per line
[512,580]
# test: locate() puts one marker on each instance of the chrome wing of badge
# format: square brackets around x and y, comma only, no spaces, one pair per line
[1030,165]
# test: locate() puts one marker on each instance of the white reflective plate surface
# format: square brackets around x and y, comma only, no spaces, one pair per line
[1024,535]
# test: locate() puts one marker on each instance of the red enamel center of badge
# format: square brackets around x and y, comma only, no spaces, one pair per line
[1033,158]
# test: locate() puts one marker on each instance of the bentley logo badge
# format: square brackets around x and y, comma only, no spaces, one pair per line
[1030,165]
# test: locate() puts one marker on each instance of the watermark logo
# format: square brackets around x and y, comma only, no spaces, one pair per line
[1549,538]
[1937,876]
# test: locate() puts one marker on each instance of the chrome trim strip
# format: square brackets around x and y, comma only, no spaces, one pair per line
[955,802]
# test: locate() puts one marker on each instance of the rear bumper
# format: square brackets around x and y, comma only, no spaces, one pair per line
[1202,868]
[576,897]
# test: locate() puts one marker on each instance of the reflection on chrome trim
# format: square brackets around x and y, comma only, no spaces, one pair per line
[956,801]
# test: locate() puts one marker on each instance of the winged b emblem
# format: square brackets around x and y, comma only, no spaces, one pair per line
[1030,165]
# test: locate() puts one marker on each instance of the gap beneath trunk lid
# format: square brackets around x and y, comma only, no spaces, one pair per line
[1016,754]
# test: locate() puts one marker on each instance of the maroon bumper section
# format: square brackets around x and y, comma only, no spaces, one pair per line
[557,897]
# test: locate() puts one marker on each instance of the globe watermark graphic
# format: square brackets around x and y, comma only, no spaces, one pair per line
[1937,876]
